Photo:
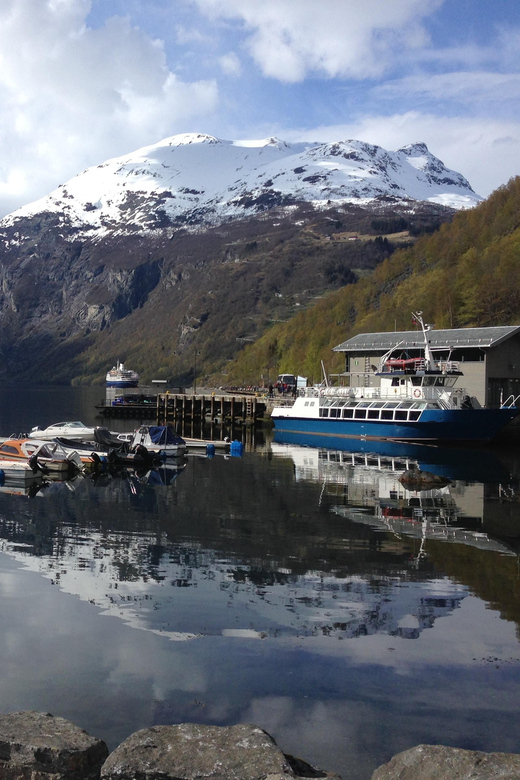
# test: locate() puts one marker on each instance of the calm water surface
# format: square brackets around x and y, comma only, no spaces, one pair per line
[301,589]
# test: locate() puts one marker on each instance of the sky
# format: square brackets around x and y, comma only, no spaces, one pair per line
[82,81]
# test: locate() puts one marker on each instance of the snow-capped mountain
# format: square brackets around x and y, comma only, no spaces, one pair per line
[197,180]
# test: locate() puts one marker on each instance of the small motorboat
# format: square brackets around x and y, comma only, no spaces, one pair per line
[107,448]
[18,472]
[160,439]
[48,455]
[70,430]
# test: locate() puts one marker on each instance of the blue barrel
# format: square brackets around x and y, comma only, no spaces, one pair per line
[2,477]
[210,450]
[236,448]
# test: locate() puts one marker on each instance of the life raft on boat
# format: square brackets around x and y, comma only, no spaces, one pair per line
[403,364]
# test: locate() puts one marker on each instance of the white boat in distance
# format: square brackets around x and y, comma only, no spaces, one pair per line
[119,376]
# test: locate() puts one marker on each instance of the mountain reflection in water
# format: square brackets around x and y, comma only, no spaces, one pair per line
[296,547]
[183,585]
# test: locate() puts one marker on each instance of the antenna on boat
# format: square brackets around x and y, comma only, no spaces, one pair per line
[429,360]
[325,378]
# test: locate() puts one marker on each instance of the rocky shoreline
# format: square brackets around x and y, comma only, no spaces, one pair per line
[39,746]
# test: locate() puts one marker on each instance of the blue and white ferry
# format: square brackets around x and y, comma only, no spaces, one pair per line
[416,400]
[119,376]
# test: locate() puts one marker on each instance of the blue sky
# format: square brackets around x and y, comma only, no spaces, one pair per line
[85,80]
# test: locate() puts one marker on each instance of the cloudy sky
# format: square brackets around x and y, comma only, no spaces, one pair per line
[85,80]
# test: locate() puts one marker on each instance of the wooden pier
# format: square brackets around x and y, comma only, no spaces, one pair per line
[232,409]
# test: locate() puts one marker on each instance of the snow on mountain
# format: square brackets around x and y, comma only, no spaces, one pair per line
[195,179]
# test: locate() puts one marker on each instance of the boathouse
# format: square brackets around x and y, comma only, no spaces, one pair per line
[489,357]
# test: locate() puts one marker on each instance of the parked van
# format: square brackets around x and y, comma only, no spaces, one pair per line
[286,384]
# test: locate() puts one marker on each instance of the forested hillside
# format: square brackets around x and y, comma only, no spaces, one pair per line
[466,274]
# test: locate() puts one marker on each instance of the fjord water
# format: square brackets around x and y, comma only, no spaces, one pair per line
[301,589]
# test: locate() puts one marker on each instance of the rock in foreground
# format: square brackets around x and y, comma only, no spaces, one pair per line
[436,762]
[38,746]
[190,751]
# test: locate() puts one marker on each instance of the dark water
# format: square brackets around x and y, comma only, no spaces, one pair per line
[300,589]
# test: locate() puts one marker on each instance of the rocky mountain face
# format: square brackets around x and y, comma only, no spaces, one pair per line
[184,251]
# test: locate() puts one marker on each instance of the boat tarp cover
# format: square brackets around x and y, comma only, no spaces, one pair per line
[106,438]
[163,434]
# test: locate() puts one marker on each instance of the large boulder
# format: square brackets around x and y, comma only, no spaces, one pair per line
[191,751]
[436,762]
[38,746]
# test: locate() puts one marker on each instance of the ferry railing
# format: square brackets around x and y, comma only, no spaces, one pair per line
[511,400]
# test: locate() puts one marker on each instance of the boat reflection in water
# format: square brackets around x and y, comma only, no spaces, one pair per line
[373,489]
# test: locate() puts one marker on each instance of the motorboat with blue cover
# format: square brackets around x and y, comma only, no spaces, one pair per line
[415,401]
[161,439]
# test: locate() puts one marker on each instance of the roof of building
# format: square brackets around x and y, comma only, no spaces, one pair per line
[408,339]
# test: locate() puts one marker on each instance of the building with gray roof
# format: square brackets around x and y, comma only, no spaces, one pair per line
[489,357]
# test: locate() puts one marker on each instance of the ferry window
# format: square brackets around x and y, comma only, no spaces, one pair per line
[335,413]
[373,414]
[360,414]
[405,404]
[403,381]
[414,415]
[440,381]
[348,413]
[416,381]
[312,403]
[401,415]
[395,381]
[324,412]
[387,414]
[306,403]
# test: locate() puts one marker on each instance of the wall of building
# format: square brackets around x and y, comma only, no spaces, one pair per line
[503,371]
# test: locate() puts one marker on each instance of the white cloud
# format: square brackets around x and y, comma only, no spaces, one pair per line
[467,88]
[230,64]
[72,96]
[289,39]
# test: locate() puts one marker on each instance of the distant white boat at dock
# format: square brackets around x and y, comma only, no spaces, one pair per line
[119,376]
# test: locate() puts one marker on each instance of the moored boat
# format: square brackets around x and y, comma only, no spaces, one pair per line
[416,400]
[69,429]
[18,472]
[48,456]
[119,376]
[160,439]
[106,448]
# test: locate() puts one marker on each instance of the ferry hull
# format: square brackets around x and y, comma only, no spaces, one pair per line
[434,426]
[122,383]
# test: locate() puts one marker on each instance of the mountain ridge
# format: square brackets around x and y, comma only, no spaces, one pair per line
[195,180]
[175,256]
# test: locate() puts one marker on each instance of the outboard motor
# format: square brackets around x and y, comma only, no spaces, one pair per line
[33,463]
